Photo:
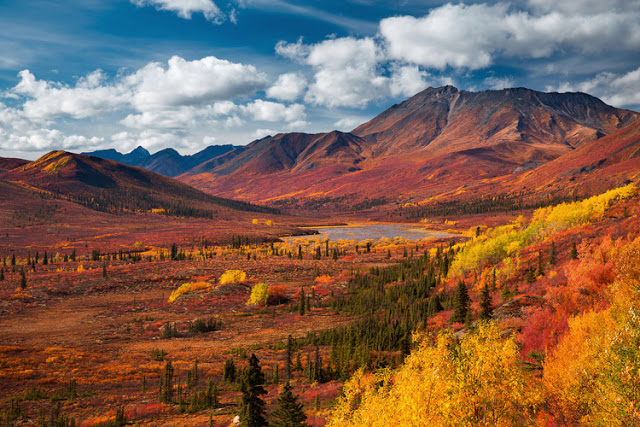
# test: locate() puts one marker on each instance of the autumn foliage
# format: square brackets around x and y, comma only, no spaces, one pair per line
[233,276]
[474,381]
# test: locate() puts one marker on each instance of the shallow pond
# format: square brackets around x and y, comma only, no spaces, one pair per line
[372,231]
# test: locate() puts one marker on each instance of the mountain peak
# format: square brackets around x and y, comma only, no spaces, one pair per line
[140,150]
[439,137]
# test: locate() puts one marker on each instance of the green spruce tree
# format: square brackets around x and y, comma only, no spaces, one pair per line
[574,251]
[23,279]
[302,302]
[229,371]
[434,305]
[461,303]
[287,361]
[486,310]
[252,412]
[289,412]
[540,269]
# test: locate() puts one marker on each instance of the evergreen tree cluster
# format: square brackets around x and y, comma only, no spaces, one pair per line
[486,204]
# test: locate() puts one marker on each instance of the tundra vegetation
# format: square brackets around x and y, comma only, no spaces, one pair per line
[532,322]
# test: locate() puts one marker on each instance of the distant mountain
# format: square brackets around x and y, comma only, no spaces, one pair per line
[132,158]
[166,162]
[112,187]
[438,141]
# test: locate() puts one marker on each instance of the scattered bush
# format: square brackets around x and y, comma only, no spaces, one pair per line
[186,288]
[259,295]
[233,276]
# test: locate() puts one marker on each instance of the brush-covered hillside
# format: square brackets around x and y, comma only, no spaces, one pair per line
[434,143]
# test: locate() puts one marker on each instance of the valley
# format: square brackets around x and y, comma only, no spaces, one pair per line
[460,245]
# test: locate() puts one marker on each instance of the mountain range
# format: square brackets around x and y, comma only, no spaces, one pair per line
[166,162]
[436,142]
[441,144]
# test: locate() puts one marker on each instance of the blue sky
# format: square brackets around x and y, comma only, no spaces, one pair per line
[81,75]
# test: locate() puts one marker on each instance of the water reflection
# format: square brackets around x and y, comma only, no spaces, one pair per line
[371,232]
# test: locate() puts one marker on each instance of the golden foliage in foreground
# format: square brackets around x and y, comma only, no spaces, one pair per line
[476,381]
[593,376]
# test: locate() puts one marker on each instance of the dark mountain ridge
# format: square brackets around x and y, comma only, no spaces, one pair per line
[166,162]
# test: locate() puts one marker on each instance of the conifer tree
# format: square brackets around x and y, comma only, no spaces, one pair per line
[287,362]
[276,377]
[301,302]
[574,251]
[211,395]
[460,303]
[493,280]
[289,412]
[104,269]
[229,371]
[531,274]
[406,346]
[1,275]
[552,253]
[540,269]
[434,305]
[485,304]
[166,391]
[298,366]
[252,412]
[23,279]
[45,260]
[13,259]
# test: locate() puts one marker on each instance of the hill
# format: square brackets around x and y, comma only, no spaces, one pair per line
[438,141]
[112,187]
[166,162]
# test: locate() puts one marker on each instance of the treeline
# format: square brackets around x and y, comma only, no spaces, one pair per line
[480,205]
[118,201]
[391,303]
[343,203]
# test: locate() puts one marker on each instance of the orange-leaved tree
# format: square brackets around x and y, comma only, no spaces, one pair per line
[593,377]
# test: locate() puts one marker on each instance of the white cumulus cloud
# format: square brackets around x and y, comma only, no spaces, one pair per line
[498,83]
[186,8]
[288,87]
[346,70]
[408,80]
[619,90]
[274,112]
[192,82]
[472,36]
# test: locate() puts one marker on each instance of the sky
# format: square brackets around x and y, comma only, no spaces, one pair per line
[82,75]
